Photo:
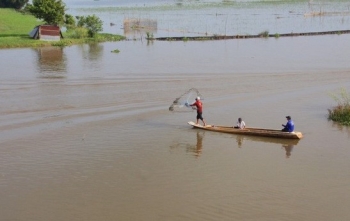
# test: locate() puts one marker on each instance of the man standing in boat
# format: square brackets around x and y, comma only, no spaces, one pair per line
[199,106]
[289,127]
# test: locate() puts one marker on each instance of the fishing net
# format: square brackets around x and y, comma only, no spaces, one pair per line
[183,102]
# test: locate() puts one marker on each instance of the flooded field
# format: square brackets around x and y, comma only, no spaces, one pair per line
[203,18]
[86,134]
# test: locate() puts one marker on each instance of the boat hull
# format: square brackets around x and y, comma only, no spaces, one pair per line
[250,131]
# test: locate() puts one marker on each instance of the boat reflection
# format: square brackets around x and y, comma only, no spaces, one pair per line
[272,140]
[287,144]
[239,140]
[197,148]
[288,148]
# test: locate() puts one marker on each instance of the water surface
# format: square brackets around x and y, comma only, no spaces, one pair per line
[85,134]
[202,18]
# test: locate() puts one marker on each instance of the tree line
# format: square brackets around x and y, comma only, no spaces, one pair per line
[16,4]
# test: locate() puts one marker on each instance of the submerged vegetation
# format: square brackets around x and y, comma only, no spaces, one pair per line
[341,112]
[264,34]
[229,19]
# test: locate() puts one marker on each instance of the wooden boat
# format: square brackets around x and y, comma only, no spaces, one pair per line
[250,131]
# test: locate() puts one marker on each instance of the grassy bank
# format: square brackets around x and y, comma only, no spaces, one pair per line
[15,27]
[13,23]
[341,112]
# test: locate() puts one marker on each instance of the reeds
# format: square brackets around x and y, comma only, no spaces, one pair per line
[341,112]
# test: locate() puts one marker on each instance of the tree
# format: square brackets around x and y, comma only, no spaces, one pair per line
[17,4]
[69,21]
[51,11]
[90,22]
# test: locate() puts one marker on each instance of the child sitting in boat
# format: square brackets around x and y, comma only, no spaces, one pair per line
[240,124]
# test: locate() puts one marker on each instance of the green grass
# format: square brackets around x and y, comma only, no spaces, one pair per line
[13,23]
[21,42]
[341,112]
[15,28]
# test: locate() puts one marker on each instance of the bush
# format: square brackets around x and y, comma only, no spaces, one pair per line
[341,112]
[78,32]
[69,21]
[92,23]
[264,34]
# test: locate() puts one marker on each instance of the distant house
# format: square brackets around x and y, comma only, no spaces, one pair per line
[46,33]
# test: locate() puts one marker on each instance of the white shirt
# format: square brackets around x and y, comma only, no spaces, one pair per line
[241,125]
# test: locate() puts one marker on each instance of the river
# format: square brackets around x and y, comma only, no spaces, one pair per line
[86,134]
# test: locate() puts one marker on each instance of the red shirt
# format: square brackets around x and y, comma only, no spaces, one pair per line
[199,106]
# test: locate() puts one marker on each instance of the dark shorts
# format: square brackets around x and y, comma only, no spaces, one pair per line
[199,116]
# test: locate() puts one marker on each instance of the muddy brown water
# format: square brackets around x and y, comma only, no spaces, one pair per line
[85,134]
